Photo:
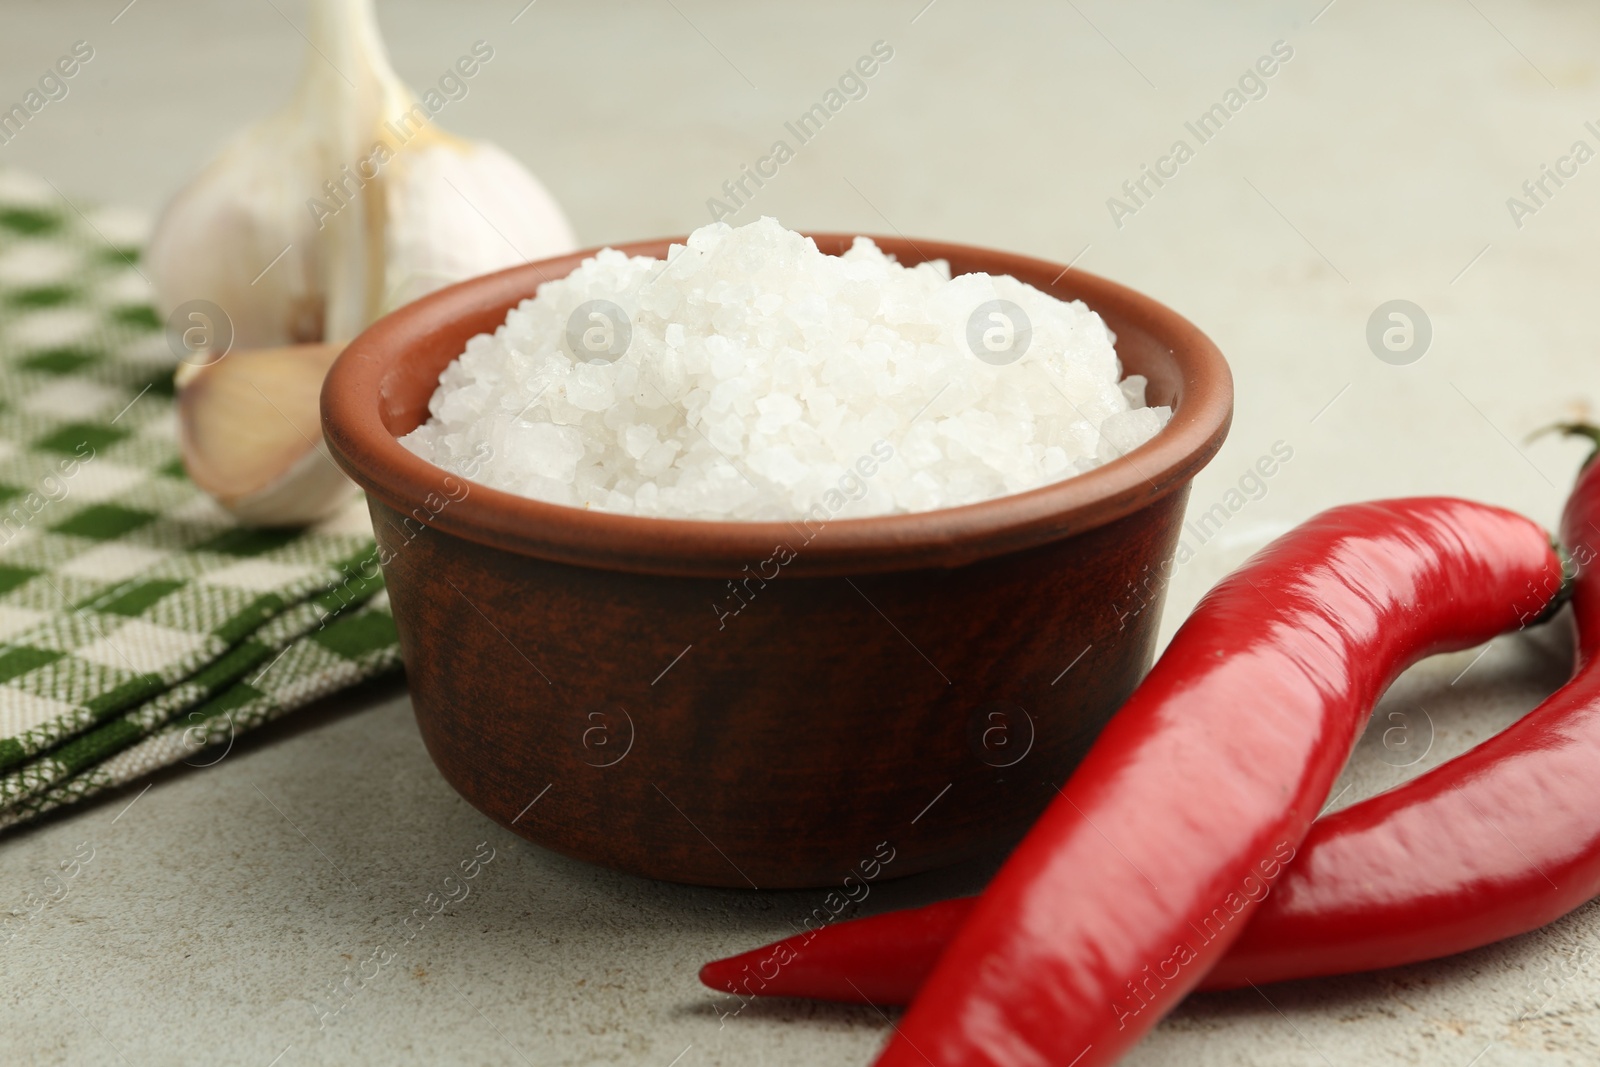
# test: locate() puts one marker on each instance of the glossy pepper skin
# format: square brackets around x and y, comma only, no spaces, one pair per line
[1150,864]
[1424,870]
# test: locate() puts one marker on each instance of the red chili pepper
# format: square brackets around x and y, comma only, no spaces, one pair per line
[1499,841]
[1134,882]
[1425,870]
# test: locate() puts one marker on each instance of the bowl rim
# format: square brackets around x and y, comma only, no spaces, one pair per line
[357,437]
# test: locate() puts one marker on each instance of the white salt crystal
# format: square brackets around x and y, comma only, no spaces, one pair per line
[589,388]
[1133,390]
[637,439]
[548,451]
[777,411]
[1127,430]
[763,380]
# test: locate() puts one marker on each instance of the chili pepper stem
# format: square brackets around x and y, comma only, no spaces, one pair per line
[1569,578]
[1573,429]
[1569,564]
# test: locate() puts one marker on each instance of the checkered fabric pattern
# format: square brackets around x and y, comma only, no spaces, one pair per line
[132,608]
[357,645]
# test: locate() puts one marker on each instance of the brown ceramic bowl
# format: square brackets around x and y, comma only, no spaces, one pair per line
[910,686]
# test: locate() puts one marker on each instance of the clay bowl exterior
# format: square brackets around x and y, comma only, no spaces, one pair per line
[895,693]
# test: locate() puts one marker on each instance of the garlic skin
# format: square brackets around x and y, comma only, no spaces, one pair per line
[435,239]
[249,427]
[300,238]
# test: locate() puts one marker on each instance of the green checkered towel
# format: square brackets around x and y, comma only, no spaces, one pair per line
[139,623]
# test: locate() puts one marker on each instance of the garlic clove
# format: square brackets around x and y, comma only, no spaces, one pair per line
[249,427]
[311,490]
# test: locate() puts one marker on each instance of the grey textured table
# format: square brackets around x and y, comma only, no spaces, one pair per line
[1376,166]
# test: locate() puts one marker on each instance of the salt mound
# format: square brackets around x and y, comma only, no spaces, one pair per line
[750,376]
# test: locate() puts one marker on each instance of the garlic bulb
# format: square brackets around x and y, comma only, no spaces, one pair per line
[345,204]
[357,190]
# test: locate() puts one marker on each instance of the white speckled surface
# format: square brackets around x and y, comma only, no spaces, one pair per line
[1376,167]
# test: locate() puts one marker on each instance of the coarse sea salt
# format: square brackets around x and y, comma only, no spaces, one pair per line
[749,376]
